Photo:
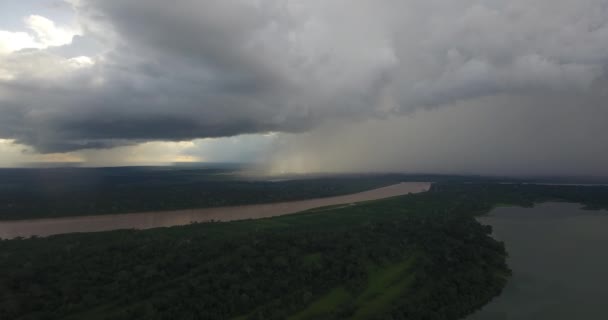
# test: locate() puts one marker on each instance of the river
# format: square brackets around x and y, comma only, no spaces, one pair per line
[147,220]
[558,255]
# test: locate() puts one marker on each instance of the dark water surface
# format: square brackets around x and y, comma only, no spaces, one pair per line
[559,257]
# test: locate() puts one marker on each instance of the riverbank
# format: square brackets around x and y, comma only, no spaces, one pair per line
[156,219]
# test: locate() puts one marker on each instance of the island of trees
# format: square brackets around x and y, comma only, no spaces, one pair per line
[420,256]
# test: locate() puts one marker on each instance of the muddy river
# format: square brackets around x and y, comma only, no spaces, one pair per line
[146,220]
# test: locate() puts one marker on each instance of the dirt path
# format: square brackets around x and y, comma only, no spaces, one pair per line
[147,220]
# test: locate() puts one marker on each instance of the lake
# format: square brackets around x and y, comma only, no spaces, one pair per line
[558,255]
[147,220]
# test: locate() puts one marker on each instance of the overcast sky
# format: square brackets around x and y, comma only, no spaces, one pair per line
[493,87]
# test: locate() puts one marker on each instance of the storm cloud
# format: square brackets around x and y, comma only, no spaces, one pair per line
[140,71]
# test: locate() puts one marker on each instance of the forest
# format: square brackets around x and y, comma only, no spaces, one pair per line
[421,256]
[54,192]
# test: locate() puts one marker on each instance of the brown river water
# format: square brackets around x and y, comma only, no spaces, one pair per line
[147,220]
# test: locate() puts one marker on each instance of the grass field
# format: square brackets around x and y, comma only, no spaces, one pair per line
[395,256]
[385,286]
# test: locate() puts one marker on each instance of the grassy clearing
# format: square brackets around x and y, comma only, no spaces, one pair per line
[343,263]
[324,305]
[312,258]
[385,285]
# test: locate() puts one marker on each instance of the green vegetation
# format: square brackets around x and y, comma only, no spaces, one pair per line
[44,193]
[526,195]
[324,305]
[384,285]
[263,269]
[420,256]
[56,192]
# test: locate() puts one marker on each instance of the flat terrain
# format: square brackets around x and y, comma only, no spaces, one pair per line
[147,220]
[395,257]
[68,192]
[417,257]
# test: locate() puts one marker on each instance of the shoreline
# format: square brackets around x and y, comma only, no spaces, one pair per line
[155,219]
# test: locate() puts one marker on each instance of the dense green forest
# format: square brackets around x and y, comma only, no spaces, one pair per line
[526,195]
[421,256]
[54,192]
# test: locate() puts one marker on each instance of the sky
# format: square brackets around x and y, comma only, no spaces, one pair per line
[491,87]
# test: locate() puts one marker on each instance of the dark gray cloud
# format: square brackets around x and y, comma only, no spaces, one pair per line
[500,135]
[196,69]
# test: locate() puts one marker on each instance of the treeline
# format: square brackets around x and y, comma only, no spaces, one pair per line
[55,192]
[265,269]
[43,193]
[489,194]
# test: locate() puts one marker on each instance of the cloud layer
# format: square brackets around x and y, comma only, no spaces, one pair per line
[138,71]
[498,135]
